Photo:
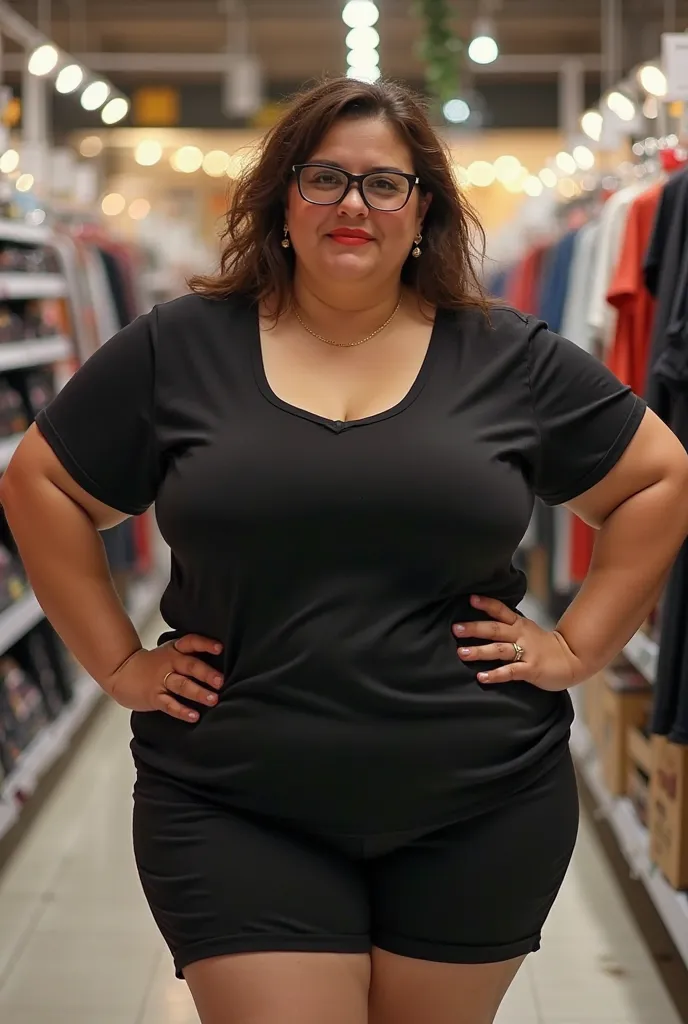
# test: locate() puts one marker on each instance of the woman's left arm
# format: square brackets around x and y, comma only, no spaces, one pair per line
[640,509]
[641,512]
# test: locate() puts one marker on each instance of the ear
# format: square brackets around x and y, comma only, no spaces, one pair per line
[423,207]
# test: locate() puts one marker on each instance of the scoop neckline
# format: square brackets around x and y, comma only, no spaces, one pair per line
[339,426]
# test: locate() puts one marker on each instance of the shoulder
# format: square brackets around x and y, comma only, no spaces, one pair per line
[192,311]
[499,325]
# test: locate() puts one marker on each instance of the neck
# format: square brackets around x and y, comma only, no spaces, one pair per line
[364,308]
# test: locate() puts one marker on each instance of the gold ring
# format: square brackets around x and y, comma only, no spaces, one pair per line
[518,652]
[170,673]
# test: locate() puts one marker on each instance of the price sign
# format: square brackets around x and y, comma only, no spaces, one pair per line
[675,64]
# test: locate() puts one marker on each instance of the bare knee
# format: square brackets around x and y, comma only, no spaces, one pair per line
[281,988]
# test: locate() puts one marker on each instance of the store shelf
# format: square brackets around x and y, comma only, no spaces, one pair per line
[643,652]
[633,840]
[8,446]
[15,622]
[17,355]
[19,285]
[54,740]
[16,231]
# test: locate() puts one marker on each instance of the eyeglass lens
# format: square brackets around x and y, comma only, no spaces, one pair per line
[383,191]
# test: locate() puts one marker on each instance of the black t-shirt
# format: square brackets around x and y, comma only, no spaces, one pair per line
[332,558]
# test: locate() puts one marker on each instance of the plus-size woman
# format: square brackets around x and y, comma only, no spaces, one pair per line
[355,800]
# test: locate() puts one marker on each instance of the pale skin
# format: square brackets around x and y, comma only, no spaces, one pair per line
[345,293]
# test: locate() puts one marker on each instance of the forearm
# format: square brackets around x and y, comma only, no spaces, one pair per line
[67,566]
[633,554]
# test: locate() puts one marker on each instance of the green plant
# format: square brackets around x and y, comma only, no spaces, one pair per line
[440,50]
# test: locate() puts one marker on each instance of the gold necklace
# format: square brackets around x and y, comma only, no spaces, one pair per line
[351,344]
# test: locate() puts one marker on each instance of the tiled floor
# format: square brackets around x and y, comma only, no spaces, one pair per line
[77,945]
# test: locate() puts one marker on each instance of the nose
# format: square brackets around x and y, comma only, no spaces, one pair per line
[352,204]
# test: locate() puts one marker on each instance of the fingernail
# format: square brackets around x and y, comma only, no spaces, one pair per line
[482,676]
[192,716]
[464,651]
[218,680]
[217,648]
[459,630]
[475,600]
[211,698]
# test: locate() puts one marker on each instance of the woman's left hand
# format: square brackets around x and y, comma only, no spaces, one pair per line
[547,662]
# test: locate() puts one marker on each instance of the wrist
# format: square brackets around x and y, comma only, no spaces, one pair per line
[109,685]
[580,669]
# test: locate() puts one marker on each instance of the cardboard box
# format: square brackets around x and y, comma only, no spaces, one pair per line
[626,702]
[593,707]
[640,770]
[669,811]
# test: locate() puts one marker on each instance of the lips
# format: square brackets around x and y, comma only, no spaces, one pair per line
[350,236]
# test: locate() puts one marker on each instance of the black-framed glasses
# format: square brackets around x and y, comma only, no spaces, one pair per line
[325,185]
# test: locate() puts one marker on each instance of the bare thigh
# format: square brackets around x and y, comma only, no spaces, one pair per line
[281,988]
[406,991]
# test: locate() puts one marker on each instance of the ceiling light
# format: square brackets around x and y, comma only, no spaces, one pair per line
[364,37]
[621,105]
[187,159]
[456,111]
[94,95]
[69,79]
[363,58]
[584,157]
[367,74]
[91,146]
[591,123]
[43,60]
[481,173]
[514,185]
[566,163]
[460,175]
[139,209]
[653,80]
[567,188]
[360,14]
[115,110]
[483,50]
[216,163]
[532,186]
[24,183]
[651,108]
[548,177]
[148,153]
[9,161]
[507,168]
[113,204]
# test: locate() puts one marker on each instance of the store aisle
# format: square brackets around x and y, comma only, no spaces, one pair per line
[77,945]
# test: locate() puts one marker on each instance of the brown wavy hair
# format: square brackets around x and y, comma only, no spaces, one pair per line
[253,262]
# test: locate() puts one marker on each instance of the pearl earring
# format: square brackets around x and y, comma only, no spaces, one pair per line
[286,244]
[416,252]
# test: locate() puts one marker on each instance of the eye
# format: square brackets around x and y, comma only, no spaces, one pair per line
[386,184]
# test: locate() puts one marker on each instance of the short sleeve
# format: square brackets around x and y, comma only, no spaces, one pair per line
[101,424]
[585,417]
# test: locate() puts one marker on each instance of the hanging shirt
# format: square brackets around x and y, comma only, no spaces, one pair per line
[574,325]
[601,316]
[629,353]
[332,558]
[555,282]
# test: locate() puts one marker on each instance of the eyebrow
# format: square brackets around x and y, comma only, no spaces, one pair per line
[372,170]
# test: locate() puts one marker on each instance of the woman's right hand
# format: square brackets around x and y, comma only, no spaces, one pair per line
[149,680]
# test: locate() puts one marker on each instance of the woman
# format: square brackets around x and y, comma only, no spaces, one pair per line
[355,800]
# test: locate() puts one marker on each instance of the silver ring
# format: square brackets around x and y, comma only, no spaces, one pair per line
[170,673]
[518,652]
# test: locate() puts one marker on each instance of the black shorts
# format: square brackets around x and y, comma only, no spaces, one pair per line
[221,881]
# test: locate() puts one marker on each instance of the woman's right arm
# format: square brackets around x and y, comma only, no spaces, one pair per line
[56,524]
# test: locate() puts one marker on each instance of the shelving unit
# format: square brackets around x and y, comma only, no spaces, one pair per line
[633,840]
[18,355]
[48,747]
[16,621]
[20,285]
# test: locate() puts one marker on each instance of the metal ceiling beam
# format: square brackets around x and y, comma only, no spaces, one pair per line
[218,63]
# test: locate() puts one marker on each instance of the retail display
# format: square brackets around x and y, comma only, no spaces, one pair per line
[611,273]
[63,292]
